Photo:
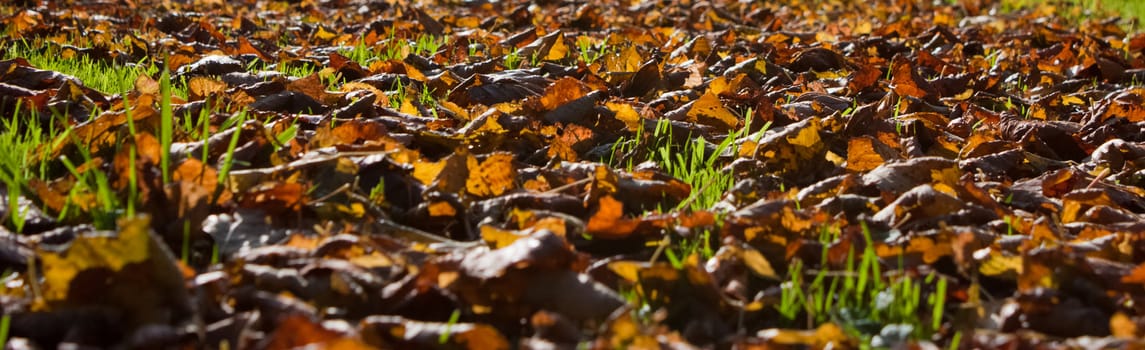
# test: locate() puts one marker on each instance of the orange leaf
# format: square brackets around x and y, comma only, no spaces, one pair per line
[200,88]
[609,221]
[562,91]
[907,82]
[491,177]
[861,154]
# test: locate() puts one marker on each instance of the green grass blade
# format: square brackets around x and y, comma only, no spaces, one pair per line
[166,125]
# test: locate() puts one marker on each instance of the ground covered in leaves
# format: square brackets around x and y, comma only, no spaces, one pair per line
[491,175]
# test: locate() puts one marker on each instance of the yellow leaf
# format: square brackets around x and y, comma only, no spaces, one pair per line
[442,209]
[750,233]
[807,137]
[491,126]
[555,224]
[508,107]
[720,84]
[998,264]
[758,264]
[407,107]
[371,261]
[625,113]
[628,270]
[299,240]
[498,238]
[453,107]
[131,245]
[861,154]
[627,61]
[426,172]
[747,149]
[709,110]
[324,35]
[964,95]
[825,37]
[558,51]
[944,19]
[823,337]
[945,180]
[1070,100]
[1122,326]
[468,22]
[491,177]
[449,174]
[68,53]
[830,333]
[832,74]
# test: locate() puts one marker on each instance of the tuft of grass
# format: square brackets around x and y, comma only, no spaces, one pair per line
[588,52]
[863,299]
[513,59]
[427,45]
[19,137]
[92,194]
[394,48]
[700,246]
[364,55]
[694,162]
[427,100]
[91,197]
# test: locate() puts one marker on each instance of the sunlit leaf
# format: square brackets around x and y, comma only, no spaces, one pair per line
[709,110]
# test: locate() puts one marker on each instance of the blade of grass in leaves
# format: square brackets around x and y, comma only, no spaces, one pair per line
[453,318]
[286,135]
[5,324]
[166,125]
[225,167]
[18,139]
[822,301]
[103,215]
[131,176]
[131,181]
[205,134]
[955,341]
[186,251]
[938,299]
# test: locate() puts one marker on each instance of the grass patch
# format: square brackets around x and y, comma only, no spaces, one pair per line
[695,162]
[882,309]
[1080,10]
[19,137]
[393,48]
[103,77]
[91,195]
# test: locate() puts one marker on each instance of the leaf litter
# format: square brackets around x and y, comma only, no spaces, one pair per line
[489,175]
